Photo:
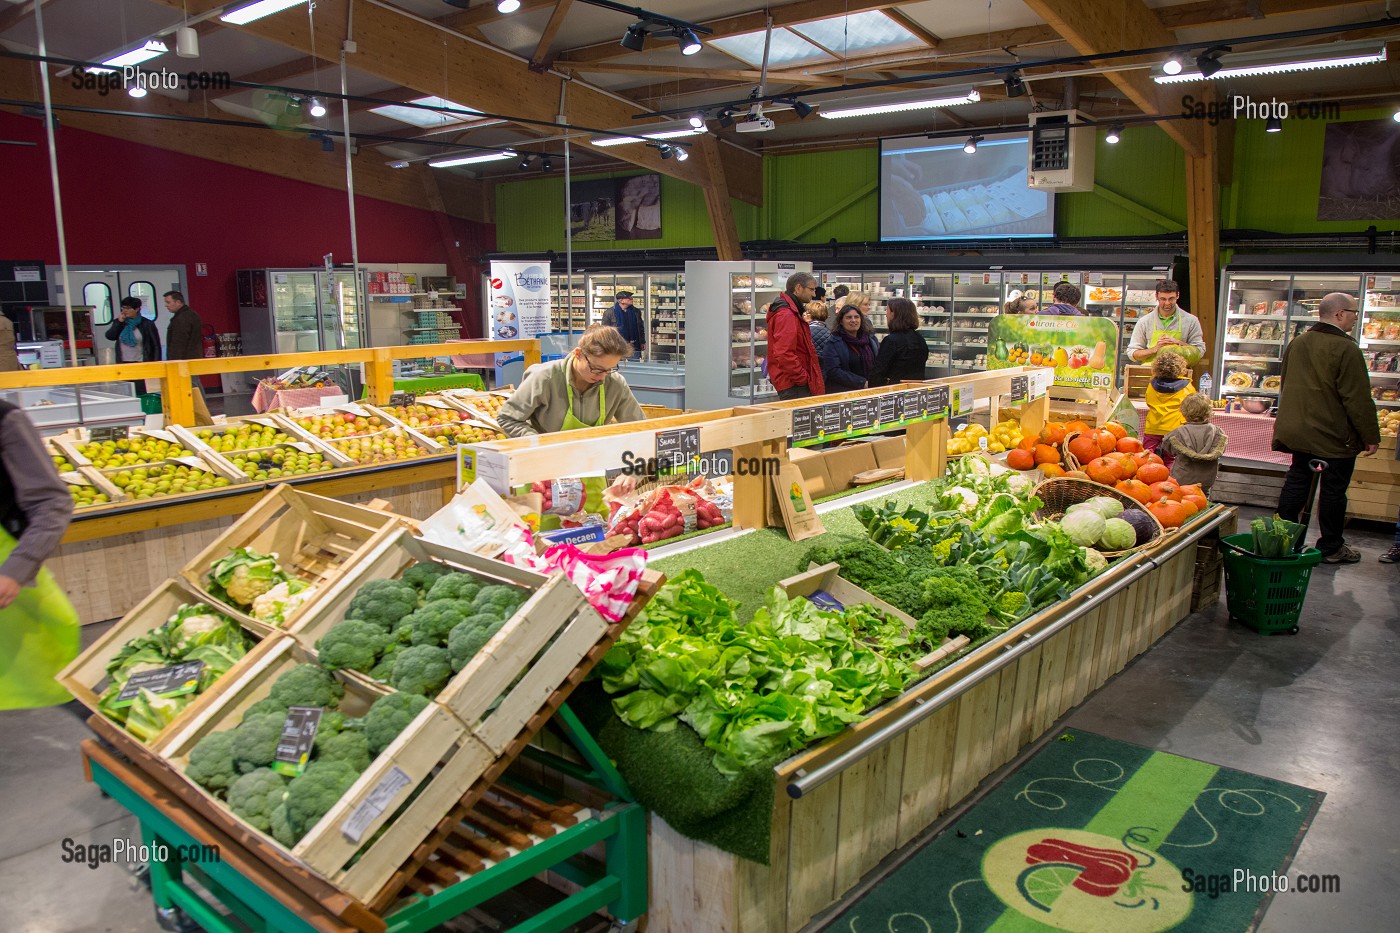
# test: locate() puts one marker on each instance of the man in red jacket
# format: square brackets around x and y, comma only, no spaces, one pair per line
[793,365]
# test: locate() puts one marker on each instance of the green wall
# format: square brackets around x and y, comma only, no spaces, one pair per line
[814,197]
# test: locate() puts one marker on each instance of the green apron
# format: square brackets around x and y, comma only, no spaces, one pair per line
[1191,354]
[38,638]
[592,485]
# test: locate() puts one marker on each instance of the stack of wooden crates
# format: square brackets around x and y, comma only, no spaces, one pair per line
[1210,566]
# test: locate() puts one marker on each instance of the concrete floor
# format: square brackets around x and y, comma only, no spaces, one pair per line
[1320,709]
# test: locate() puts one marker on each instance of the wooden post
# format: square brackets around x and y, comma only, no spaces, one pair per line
[379,376]
[1203,234]
[178,392]
[921,450]
[717,201]
[750,491]
[532,354]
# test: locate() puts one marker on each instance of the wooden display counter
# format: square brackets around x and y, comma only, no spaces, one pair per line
[842,807]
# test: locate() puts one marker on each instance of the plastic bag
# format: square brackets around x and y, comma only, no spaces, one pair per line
[608,582]
[1125,414]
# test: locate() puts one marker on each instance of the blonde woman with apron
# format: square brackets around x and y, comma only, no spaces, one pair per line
[582,390]
[38,626]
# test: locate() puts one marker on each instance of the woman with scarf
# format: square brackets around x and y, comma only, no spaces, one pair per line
[137,339]
[848,359]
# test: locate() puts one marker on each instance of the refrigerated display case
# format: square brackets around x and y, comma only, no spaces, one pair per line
[932,297]
[976,299]
[730,328]
[568,312]
[55,409]
[665,308]
[303,311]
[1380,338]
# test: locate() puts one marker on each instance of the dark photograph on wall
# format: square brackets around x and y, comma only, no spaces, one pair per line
[1360,172]
[593,209]
[639,207]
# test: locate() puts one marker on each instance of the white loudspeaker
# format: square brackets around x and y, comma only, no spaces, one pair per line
[186,42]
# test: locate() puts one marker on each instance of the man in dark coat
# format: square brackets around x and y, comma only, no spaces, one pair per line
[184,340]
[628,322]
[1325,412]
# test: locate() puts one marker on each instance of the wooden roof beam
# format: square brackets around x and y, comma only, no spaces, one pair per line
[541,59]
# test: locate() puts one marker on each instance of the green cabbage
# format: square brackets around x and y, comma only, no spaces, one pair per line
[1118,535]
[1084,527]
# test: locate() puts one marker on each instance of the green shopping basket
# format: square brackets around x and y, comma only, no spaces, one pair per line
[150,403]
[1264,593]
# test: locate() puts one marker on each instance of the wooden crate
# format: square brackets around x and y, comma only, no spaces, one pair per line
[86,678]
[429,433]
[210,461]
[192,440]
[1070,403]
[432,758]
[316,539]
[1135,380]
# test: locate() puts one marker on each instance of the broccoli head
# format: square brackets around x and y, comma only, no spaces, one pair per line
[423,669]
[383,603]
[499,599]
[211,762]
[430,625]
[311,794]
[353,644]
[265,706]
[385,668]
[307,685]
[349,747]
[255,741]
[332,721]
[464,641]
[1010,605]
[389,716]
[454,586]
[422,576]
[280,827]
[255,795]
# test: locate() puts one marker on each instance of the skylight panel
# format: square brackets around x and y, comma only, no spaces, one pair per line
[788,49]
[427,118]
[868,33]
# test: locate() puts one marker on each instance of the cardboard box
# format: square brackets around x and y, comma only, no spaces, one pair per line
[889,452]
[814,474]
[844,462]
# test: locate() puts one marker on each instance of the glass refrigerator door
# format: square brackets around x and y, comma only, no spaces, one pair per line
[1380,339]
[881,287]
[294,308]
[340,322]
[1256,328]
[932,295]
[976,300]
[750,294]
[1102,295]
[666,310]
[1139,297]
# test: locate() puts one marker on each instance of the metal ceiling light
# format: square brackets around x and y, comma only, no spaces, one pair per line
[547,164]
[186,42]
[971,96]
[802,109]
[971,145]
[1172,66]
[1208,63]
[681,154]
[249,12]
[1115,132]
[1015,87]
[398,163]
[136,90]
[1395,116]
[525,162]
[635,38]
[698,121]
[151,48]
[317,109]
[666,151]
[1280,61]
[726,119]
[1273,125]
[472,159]
[689,42]
[507,6]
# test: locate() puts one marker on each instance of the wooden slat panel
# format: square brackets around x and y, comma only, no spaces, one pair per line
[715,906]
[869,817]
[971,748]
[928,759]
[672,859]
[816,819]
[1027,682]
[1005,729]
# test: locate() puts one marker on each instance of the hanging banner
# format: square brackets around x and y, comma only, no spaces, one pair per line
[1083,350]
[518,300]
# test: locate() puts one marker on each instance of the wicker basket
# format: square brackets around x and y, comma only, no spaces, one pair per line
[1060,494]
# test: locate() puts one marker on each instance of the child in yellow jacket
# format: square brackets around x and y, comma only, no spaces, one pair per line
[1171,382]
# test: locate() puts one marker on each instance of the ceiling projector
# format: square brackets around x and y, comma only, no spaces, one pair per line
[756,123]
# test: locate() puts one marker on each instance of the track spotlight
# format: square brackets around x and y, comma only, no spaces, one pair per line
[1395,116]
[698,121]
[689,42]
[1273,125]
[635,38]
[666,151]
[726,119]
[327,144]
[398,163]
[136,90]
[802,109]
[547,164]
[525,162]
[1172,66]
[1115,132]
[1208,62]
[507,6]
[1015,87]
[681,154]
[318,109]
[971,145]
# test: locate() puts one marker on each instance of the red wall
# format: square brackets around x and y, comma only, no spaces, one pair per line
[126,203]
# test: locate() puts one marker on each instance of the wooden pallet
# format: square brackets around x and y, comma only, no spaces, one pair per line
[429,848]
[317,540]
[86,677]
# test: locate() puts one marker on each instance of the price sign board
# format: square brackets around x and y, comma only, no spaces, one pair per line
[173,681]
[298,736]
[806,424]
[119,433]
[1020,386]
[675,449]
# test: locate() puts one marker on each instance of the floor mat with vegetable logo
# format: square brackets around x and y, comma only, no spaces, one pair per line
[1094,835]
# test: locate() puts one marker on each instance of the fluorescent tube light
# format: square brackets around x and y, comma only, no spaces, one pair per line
[471,160]
[642,137]
[255,11]
[1282,61]
[153,48]
[967,97]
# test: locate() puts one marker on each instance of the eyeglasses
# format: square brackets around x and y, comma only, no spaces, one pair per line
[599,372]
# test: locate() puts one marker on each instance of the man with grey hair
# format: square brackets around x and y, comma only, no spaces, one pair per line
[794,367]
[1325,412]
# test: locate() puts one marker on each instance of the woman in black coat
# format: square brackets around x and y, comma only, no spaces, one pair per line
[904,353]
[137,339]
[849,357]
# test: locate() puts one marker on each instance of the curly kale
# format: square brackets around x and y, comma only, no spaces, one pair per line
[957,605]
[211,762]
[422,669]
[454,586]
[307,685]
[422,576]
[431,624]
[255,795]
[389,716]
[353,644]
[383,603]
[255,741]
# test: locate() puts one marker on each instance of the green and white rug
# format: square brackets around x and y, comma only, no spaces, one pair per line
[1098,836]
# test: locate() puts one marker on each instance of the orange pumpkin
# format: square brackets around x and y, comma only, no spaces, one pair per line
[1151,473]
[1085,447]
[1076,474]
[1135,488]
[1144,457]
[1127,466]
[1020,459]
[1044,453]
[1106,440]
[1053,433]
[1116,429]
[1076,427]
[1190,507]
[1170,514]
[1104,470]
[1193,489]
[1163,490]
[1052,470]
[1128,445]
[1198,501]
[1028,442]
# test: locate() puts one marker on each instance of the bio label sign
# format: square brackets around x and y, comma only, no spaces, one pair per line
[518,300]
[1082,350]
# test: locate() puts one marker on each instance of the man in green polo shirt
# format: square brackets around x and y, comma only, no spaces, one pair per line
[1168,326]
